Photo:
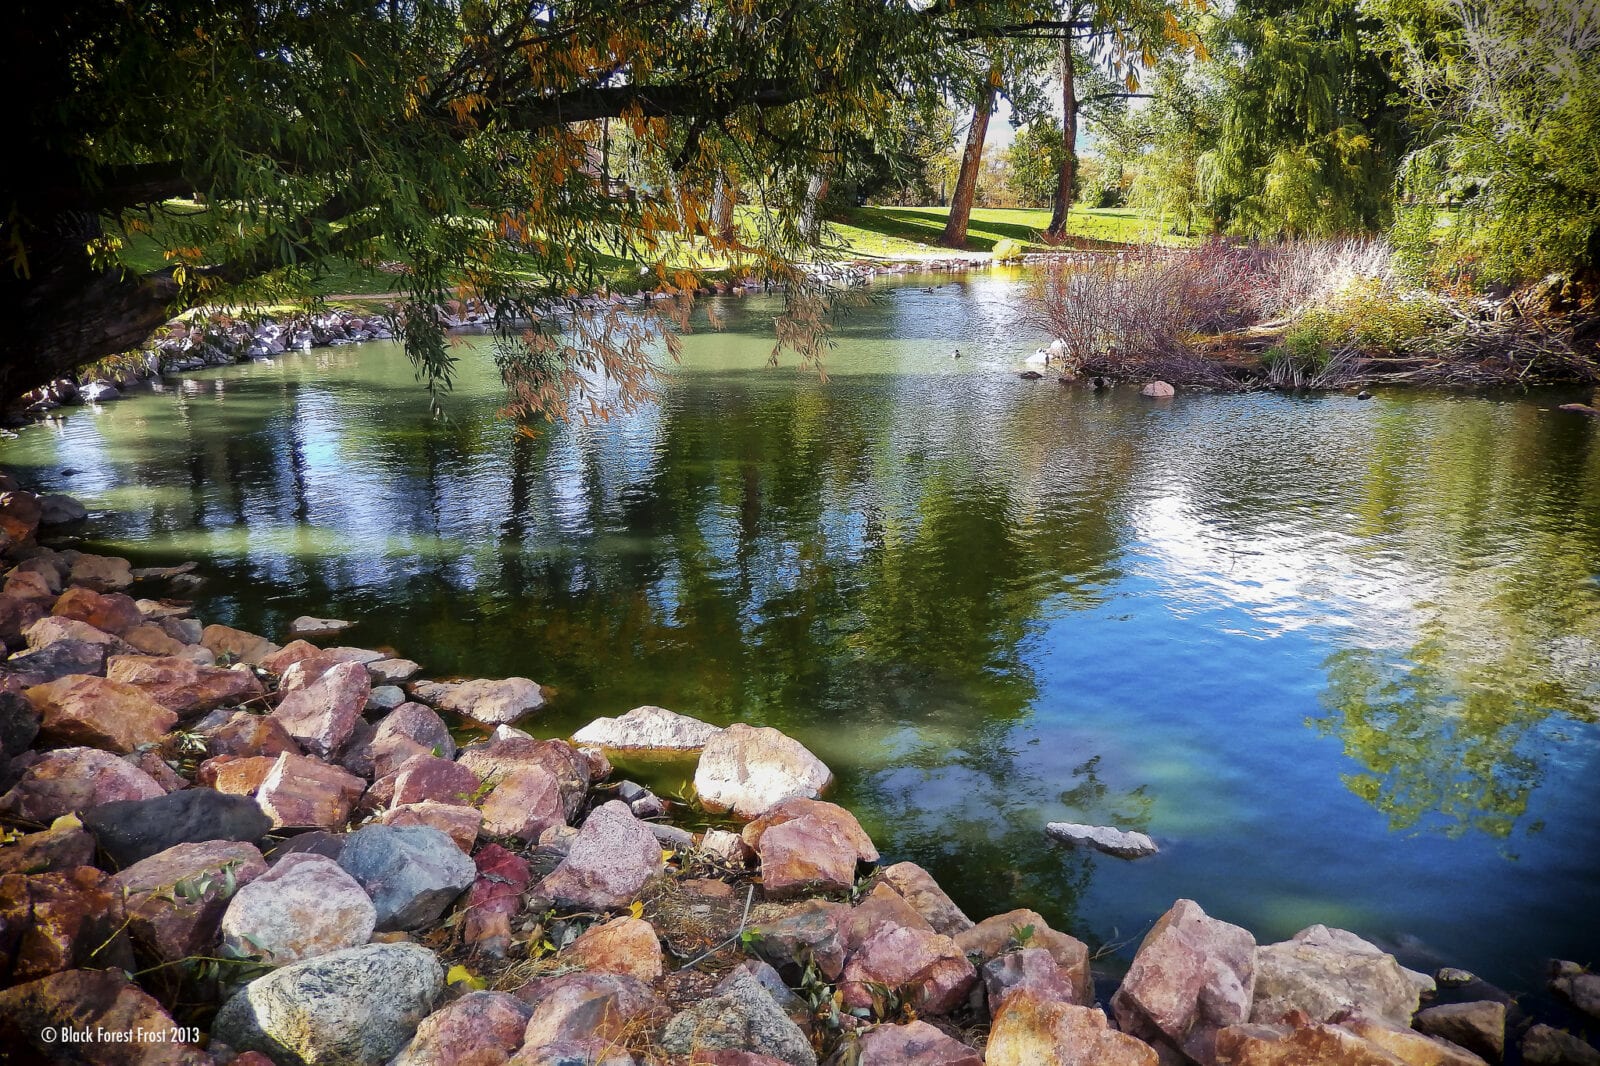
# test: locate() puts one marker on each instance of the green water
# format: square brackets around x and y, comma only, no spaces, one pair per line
[1341,658]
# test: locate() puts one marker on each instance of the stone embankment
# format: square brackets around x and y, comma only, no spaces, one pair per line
[221,849]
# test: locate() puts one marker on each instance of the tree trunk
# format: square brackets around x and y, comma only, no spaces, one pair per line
[724,201]
[1068,175]
[811,213]
[955,227]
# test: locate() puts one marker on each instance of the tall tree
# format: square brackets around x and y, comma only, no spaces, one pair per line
[955,226]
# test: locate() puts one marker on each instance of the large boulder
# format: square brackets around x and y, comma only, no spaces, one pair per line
[1479,1026]
[998,934]
[51,922]
[111,613]
[305,906]
[1325,972]
[918,888]
[613,857]
[237,646]
[749,769]
[913,1044]
[92,1001]
[53,662]
[99,713]
[1358,1043]
[322,715]
[1191,976]
[810,932]
[412,873]
[356,1007]
[743,1016]
[494,899]
[182,685]
[175,898]
[624,945]
[301,792]
[507,752]
[131,830]
[480,1028]
[807,846]
[75,779]
[1030,1029]
[490,702]
[580,1007]
[524,802]
[646,729]
[927,969]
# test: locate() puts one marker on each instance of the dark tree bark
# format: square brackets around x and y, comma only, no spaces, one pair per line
[955,227]
[1068,175]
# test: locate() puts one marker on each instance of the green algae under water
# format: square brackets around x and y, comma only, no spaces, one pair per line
[1341,658]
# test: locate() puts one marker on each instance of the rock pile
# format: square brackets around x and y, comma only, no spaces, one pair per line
[311,869]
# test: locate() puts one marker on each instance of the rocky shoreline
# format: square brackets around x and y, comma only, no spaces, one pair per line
[220,849]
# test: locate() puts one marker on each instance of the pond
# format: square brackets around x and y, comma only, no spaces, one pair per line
[1340,657]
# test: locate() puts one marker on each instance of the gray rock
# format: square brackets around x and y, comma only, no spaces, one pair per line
[1544,1046]
[1452,977]
[1326,971]
[307,626]
[131,830]
[305,906]
[354,1007]
[1579,988]
[741,1017]
[19,724]
[1123,843]
[613,857]
[385,698]
[58,510]
[748,769]
[412,872]
[648,729]
[99,392]
[392,671]
[1479,1027]
[55,661]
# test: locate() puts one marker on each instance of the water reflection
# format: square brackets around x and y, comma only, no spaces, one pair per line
[987,603]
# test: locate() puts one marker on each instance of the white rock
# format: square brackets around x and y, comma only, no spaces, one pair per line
[747,769]
[1123,843]
[648,729]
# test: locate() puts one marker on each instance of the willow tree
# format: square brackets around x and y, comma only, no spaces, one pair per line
[1313,123]
[204,152]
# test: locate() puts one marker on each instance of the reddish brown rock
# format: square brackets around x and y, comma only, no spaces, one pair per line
[918,888]
[75,779]
[479,1029]
[613,857]
[881,908]
[92,1000]
[928,969]
[426,777]
[1408,1045]
[58,921]
[623,945]
[492,702]
[237,646]
[999,934]
[151,762]
[914,1044]
[34,586]
[52,628]
[99,713]
[151,639]
[523,804]
[300,792]
[804,857]
[1326,972]
[322,715]
[286,656]
[494,898]
[1283,1045]
[110,612]
[308,669]
[183,686]
[502,756]
[811,931]
[103,573]
[1192,976]
[420,724]
[460,824]
[175,899]
[18,617]
[237,775]
[1030,968]
[19,515]
[242,733]
[584,1006]
[66,845]
[1030,1030]
[305,906]
[841,821]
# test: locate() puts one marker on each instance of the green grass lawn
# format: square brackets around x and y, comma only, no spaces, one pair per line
[913,232]
[864,232]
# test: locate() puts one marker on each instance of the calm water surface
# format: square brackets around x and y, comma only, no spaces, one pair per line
[1341,658]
